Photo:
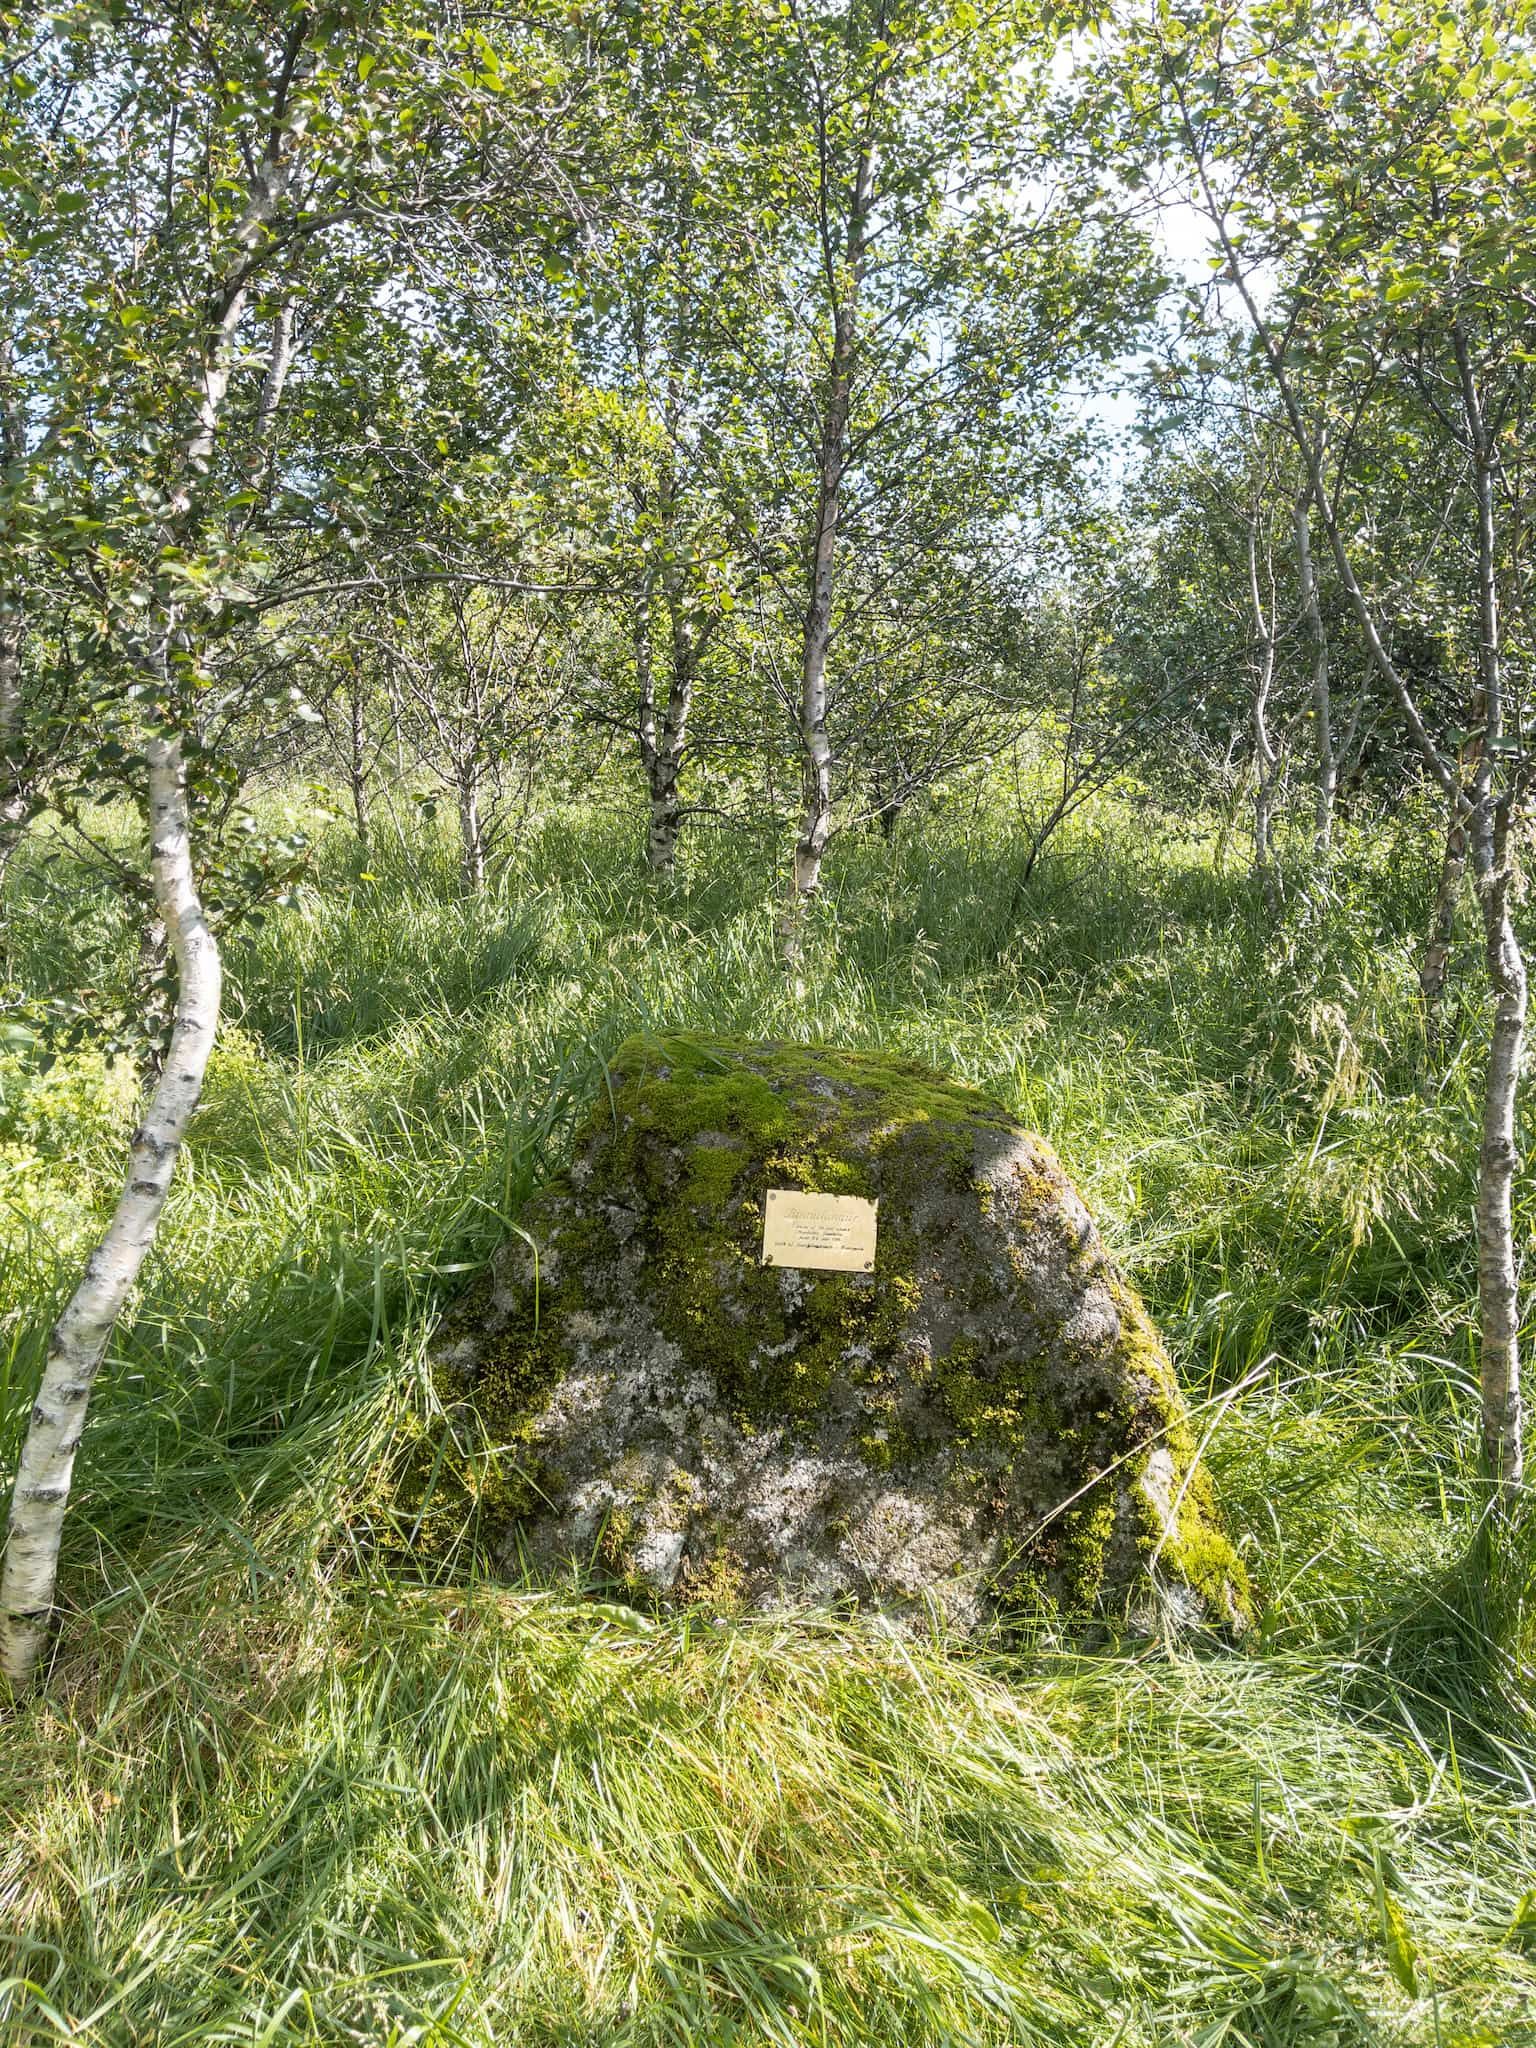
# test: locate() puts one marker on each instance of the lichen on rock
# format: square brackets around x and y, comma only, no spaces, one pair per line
[987,1420]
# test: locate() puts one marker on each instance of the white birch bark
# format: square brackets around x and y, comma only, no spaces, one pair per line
[79,1339]
[1498,1274]
[15,800]
[274,382]
[267,189]
[471,830]
[645,679]
[1266,762]
[666,774]
[1326,767]
[14,803]
[279,363]
[815,747]
[661,742]
[663,749]
[687,644]
[357,765]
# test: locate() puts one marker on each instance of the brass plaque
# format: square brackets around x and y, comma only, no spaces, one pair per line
[833,1233]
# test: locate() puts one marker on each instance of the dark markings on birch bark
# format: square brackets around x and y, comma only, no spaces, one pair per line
[79,1339]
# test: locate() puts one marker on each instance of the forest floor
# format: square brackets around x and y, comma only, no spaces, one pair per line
[292,1783]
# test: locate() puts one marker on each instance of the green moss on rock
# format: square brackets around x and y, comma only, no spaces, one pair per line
[991,1407]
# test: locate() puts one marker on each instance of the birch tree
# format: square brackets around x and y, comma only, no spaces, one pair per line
[1362,181]
[1326,765]
[146,627]
[481,680]
[15,796]
[359,718]
[187,172]
[687,557]
[939,271]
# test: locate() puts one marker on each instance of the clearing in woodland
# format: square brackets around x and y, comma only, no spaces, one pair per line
[300,1776]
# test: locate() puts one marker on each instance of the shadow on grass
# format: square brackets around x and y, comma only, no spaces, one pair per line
[1450,1655]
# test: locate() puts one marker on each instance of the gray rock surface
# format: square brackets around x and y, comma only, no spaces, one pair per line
[986,1421]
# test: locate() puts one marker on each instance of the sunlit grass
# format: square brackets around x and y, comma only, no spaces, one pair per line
[292,1784]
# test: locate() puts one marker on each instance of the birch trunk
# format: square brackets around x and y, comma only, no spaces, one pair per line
[661,836]
[15,804]
[662,747]
[666,773]
[1498,1276]
[645,688]
[357,769]
[1266,761]
[15,799]
[13,823]
[79,1339]
[1498,1304]
[815,747]
[279,363]
[1326,765]
[471,834]
[671,745]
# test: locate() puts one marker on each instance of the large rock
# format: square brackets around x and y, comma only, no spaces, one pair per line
[987,1420]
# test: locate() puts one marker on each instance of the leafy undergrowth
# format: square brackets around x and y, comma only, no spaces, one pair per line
[286,1786]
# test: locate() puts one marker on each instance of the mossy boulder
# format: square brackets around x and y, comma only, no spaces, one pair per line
[986,1420]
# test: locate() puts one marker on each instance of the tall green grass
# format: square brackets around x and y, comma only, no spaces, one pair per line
[292,1784]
